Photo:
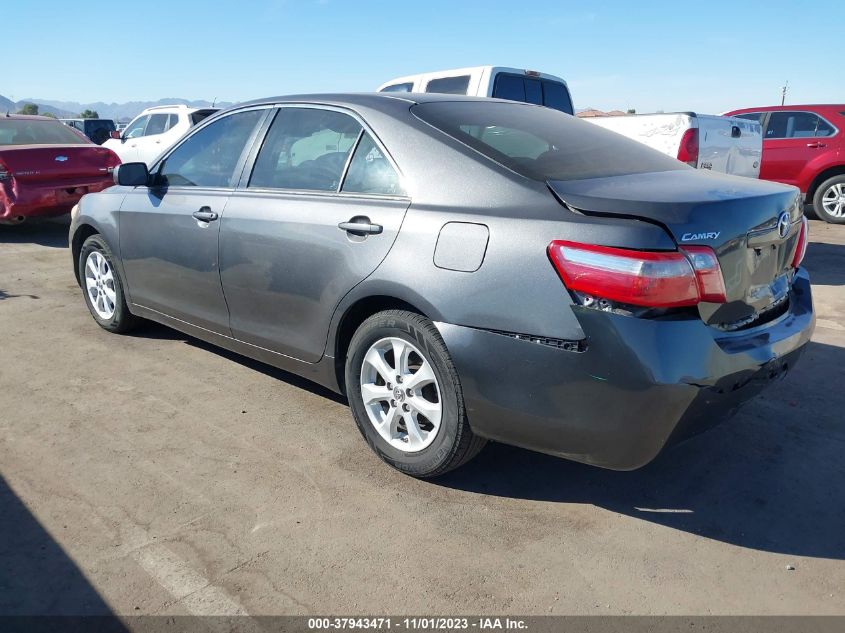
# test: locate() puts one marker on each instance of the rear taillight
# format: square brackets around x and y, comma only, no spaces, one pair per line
[801,247]
[641,278]
[688,151]
[112,159]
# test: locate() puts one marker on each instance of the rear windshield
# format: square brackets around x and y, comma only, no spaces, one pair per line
[37,132]
[541,143]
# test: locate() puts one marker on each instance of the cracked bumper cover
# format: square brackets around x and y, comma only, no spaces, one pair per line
[640,385]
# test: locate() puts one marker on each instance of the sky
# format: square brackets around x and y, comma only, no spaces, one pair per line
[703,56]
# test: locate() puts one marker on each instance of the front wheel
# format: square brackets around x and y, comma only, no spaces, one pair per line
[102,287]
[829,200]
[406,397]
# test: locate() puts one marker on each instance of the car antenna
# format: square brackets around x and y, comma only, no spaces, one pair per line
[213,102]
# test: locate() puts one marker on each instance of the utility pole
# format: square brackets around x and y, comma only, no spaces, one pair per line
[783,92]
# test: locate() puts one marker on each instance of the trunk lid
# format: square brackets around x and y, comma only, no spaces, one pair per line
[752,225]
[59,163]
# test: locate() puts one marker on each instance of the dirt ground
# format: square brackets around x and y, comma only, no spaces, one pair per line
[154,474]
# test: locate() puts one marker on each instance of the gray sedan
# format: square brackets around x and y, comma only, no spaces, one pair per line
[462,270]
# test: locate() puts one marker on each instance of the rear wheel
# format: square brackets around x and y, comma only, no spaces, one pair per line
[406,397]
[102,287]
[829,200]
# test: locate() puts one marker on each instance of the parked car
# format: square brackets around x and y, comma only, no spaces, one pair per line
[514,84]
[718,143]
[803,146]
[98,130]
[154,130]
[462,269]
[46,167]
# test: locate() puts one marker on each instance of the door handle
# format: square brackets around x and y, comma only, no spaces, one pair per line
[205,214]
[816,144]
[361,225]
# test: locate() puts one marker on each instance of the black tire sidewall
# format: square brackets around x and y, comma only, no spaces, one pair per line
[818,209]
[121,319]
[432,458]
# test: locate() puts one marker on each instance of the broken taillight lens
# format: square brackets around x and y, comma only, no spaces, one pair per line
[641,278]
[803,239]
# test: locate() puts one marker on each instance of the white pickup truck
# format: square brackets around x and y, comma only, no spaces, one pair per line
[726,144]
[501,82]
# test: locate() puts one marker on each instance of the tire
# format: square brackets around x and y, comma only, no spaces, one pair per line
[423,450]
[833,189]
[109,310]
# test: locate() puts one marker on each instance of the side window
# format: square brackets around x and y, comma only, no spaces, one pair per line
[156,125]
[757,117]
[825,128]
[136,128]
[371,172]
[509,87]
[406,87]
[449,85]
[306,148]
[556,96]
[172,121]
[792,125]
[209,157]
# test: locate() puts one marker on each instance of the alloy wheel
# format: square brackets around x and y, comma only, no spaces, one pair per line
[99,283]
[833,200]
[401,394]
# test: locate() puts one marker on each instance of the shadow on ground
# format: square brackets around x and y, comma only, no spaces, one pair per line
[770,479]
[826,263]
[52,232]
[37,577]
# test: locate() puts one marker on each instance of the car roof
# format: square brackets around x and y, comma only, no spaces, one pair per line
[34,117]
[793,107]
[371,99]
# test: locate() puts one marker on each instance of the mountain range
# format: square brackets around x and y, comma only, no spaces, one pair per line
[116,111]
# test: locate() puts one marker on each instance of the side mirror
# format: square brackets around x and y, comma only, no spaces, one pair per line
[115,134]
[132,175]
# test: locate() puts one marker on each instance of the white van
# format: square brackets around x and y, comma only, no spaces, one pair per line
[515,84]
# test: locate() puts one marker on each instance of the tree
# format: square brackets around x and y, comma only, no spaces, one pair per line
[48,114]
[28,108]
[632,111]
[89,114]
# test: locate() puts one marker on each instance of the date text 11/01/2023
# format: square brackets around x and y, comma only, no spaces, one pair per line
[417,623]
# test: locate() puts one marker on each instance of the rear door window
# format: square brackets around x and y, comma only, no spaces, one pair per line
[795,125]
[509,87]
[209,157]
[370,172]
[305,149]
[449,85]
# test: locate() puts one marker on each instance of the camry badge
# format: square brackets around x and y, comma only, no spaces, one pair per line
[61,159]
[783,224]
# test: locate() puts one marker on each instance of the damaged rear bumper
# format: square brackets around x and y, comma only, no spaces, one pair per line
[639,384]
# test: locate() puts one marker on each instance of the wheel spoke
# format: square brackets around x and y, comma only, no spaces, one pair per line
[370,393]
[90,282]
[415,437]
[375,359]
[388,425]
[91,266]
[110,295]
[401,351]
[423,376]
[431,410]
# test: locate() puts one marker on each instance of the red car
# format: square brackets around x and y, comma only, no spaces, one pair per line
[804,145]
[46,167]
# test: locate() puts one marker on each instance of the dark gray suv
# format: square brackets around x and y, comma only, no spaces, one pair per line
[462,269]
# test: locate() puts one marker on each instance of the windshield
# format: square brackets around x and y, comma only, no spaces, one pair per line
[541,143]
[37,132]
